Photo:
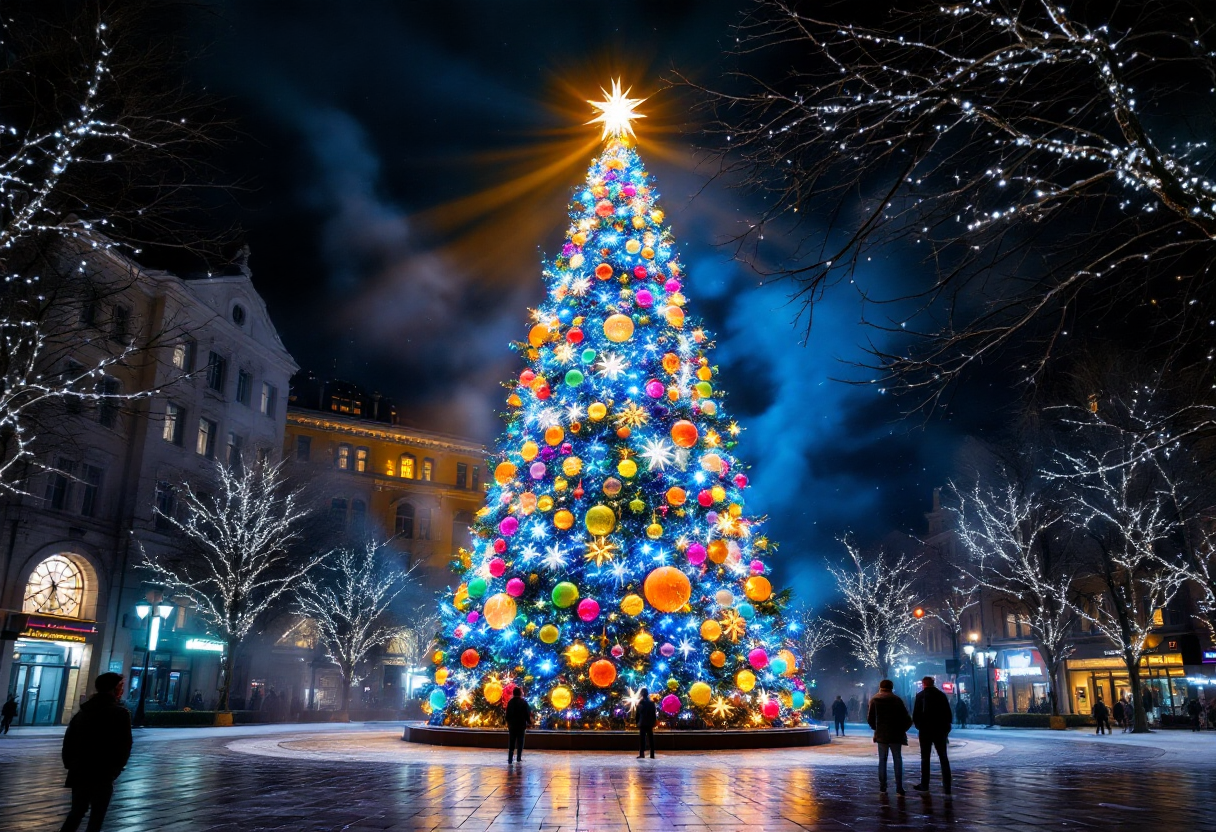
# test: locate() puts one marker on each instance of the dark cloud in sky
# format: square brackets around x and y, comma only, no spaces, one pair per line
[373,129]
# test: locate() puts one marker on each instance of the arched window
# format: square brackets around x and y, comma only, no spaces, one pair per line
[344,457]
[408,464]
[404,526]
[55,587]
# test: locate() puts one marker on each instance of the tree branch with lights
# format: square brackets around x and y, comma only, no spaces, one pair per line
[878,595]
[1015,146]
[239,554]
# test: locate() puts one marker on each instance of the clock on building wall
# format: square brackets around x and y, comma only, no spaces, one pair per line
[56,587]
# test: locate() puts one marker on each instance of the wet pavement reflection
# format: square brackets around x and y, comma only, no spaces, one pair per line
[1029,782]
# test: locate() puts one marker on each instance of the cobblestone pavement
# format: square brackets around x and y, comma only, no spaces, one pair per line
[364,778]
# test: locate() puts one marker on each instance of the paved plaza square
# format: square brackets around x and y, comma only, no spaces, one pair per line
[363,777]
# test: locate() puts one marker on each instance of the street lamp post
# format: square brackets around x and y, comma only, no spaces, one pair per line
[988,673]
[144,611]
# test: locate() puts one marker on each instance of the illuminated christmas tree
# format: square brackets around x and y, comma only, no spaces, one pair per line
[613,553]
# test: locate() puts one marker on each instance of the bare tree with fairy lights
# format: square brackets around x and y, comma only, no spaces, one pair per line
[238,555]
[349,598]
[878,595]
[1021,147]
[809,634]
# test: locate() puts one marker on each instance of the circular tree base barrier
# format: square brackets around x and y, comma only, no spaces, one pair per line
[588,740]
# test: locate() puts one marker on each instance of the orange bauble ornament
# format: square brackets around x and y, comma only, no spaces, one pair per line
[684,433]
[667,589]
[500,611]
[469,658]
[757,588]
[602,673]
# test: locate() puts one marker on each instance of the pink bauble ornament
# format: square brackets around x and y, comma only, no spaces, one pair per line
[758,659]
[654,389]
[588,609]
[696,554]
[639,272]
[498,566]
[672,285]
[508,690]
[740,481]
[771,709]
[515,587]
[508,526]
[617,651]
[473,616]
[460,631]
[757,568]
[567,449]
[705,498]
[668,649]
[670,704]
[629,190]
[644,298]
[500,546]
[537,471]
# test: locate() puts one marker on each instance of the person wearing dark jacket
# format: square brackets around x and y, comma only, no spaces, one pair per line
[1119,712]
[931,715]
[519,717]
[96,748]
[890,720]
[839,711]
[647,716]
[1102,717]
[961,712]
[8,713]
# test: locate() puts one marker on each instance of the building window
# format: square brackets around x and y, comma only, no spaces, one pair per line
[476,477]
[303,448]
[166,504]
[358,516]
[347,405]
[337,510]
[90,476]
[462,475]
[233,454]
[361,455]
[424,525]
[407,465]
[238,315]
[55,587]
[183,355]
[59,483]
[344,455]
[428,469]
[120,324]
[175,423]
[217,367]
[270,399]
[244,387]
[107,405]
[404,525]
[205,446]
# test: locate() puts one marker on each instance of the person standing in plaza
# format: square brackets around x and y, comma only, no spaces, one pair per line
[96,748]
[839,711]
[1119,712]
[519,717]
[8,713]
[1195,711]
[648,717]
[890,720]
[931,715]
[960,713]
[1102,717]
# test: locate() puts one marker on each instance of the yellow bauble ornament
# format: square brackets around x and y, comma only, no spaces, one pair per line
[735,510]
[654,531]
[500,611]
[560,697]
[643,642]
[632,605]
[545,503]
[529,450]
[757,588]
[711,630]
[717,658]
[700,693]
[492,692]
[718,493]
[746,680]
[571,466]
[560,484]
[633,246]
[441,676]
[461,599]
[717,551]
[597,411]
[619,328]
[577,654]
[627,468]
[504,473]
[600,520]
[549,634]
[563,519]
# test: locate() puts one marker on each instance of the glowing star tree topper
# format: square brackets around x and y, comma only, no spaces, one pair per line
[613,552]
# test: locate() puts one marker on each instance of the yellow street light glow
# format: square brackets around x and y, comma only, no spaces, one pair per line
[616,111]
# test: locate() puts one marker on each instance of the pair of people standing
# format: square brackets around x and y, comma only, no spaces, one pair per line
[889,717]
[519,717]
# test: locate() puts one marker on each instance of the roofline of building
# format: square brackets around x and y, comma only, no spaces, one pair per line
[379,430]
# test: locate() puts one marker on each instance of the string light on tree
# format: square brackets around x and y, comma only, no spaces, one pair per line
[618,450]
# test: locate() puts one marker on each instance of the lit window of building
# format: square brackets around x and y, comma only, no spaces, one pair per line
[343,459]
[361,460]
[408,465]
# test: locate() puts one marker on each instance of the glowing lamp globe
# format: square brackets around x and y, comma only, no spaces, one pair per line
[684,434]
[667,589]
[500,611]
[560,697]
[602,673]
[469,658]
[757,588]
[565,594]
[600,520]
[700,693]
[670,704]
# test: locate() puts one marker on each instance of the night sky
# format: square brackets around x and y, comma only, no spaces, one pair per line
[411,164]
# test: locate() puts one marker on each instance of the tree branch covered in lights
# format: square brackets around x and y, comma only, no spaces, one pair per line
[237,556]
[809,634]
[348,597]
[1008,529]
[1024,150]
[878,596]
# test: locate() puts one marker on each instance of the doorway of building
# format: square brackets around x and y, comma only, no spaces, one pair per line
[39,679]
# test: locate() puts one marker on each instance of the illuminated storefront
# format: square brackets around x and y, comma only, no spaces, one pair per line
[1021,680]
[1104,677]
[48,654]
